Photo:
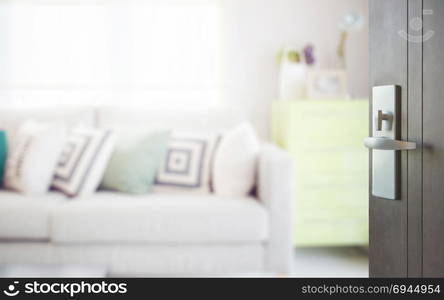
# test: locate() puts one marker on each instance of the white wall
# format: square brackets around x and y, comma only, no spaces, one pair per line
[255,30]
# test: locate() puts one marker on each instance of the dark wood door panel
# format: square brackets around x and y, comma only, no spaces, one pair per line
[388,66]
[433,139]
[414,171]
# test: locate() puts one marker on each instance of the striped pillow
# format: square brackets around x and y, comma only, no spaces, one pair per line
[83,162]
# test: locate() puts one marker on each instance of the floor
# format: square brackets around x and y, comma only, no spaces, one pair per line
[331,262]
[309,262]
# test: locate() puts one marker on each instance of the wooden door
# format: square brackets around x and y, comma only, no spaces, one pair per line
[406,49]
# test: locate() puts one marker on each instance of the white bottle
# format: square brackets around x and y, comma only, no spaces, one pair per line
[292,76]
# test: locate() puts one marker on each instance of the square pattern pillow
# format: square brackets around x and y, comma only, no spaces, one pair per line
[83,161]
[33,156]
[187,164]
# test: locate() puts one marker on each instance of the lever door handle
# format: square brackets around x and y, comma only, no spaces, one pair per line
[382,143]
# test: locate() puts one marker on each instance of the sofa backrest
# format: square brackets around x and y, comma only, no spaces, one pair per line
[214,119]
[12,118]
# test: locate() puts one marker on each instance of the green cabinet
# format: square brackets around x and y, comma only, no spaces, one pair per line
[325,138]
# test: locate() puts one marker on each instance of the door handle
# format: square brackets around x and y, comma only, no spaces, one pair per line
[382,143]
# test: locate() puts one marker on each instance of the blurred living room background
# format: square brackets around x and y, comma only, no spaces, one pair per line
[296,69]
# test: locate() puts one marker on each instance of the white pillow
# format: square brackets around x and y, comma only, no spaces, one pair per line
[187,165]
[83,161]
[33,156]
[234,170]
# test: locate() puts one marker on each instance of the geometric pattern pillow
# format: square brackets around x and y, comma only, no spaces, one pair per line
[187,165]
[83,161]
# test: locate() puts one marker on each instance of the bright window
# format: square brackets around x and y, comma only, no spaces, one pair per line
[105,50]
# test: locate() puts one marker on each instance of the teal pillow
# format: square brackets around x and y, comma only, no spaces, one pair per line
[3,151]
[133,167]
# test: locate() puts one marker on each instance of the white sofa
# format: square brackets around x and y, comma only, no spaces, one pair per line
[153,234]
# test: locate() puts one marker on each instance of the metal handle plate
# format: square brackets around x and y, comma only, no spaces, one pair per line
[385,141]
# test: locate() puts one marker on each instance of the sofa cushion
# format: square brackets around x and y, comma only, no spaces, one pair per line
[25,217]
[159,218]
[3,154]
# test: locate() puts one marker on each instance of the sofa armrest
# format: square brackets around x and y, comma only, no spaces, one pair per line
[276,191]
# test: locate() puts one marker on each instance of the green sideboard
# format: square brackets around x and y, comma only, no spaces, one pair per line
[331,164]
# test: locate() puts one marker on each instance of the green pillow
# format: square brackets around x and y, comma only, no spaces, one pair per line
[133,166]
[3,151]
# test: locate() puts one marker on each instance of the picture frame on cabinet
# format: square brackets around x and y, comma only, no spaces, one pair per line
[327,84]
